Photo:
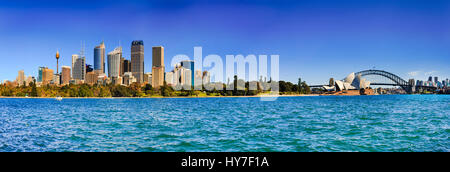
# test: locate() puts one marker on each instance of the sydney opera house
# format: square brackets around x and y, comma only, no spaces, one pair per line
[351,85]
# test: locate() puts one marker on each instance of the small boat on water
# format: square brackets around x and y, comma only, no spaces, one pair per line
[59,98]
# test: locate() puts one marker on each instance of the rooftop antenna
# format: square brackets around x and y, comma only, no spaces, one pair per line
[82,49]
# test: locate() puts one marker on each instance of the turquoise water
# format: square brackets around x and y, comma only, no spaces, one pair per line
[321,123]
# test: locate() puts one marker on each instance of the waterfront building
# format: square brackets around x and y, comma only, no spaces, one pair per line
[436,79]
[137,60]
[128,78]
[126,66]
[21,78]
[430,79]
[157,66]
[57,62]
[91,77]
[79,69]
[102,79]
[114,62]
[65,75]
[99,58]
[351,82]
[40,74]
[189,64]
[148,78]
[74,58]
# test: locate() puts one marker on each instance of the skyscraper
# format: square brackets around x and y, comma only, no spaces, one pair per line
[436,79]
[74,58]
[114,62]
[65,75]
[126,66]
[157,66]
[137,60]
[99,58]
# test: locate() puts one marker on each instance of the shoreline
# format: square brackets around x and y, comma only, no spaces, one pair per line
[257,96]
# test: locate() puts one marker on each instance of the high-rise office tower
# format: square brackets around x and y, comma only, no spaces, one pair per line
[99,58]
[79,68]
[436,79]
[137,60]
[40,74]
[430,79]
[157,66]
[126,66]
[189,64]
[47,75]
[65,75]
[114,62]
[74,58]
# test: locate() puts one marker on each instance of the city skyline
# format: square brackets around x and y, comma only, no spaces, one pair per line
[315,42]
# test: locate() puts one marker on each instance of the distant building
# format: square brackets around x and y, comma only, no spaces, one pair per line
[99,58]
[430,79]
[436,79]
[116,80]
[65,75]
[157,66]
[114,62]
[411,82]
[137,60]
[47,76]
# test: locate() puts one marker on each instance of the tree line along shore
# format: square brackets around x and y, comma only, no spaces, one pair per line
[138,90]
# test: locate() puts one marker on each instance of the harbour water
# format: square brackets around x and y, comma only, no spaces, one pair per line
[318,123]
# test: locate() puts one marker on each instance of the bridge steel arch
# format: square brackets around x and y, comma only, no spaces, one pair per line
[396,79]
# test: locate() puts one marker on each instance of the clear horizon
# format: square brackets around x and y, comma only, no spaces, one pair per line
[315,40]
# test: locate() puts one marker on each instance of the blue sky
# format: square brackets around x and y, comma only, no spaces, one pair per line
[316,40]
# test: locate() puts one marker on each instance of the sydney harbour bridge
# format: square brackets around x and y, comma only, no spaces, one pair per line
[384,78]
